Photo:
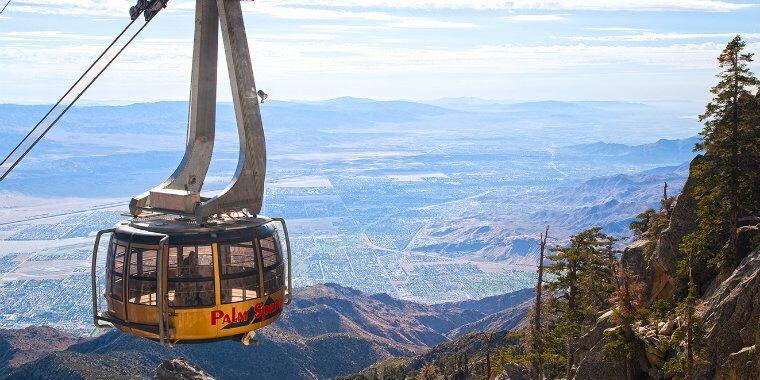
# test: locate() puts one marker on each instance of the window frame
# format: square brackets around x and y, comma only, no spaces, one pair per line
[112,274]
[277,270]
[172,281]
[254,274]
[133,247]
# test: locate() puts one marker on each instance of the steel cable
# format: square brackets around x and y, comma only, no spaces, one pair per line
[6,166]
[5,6]
[66,94]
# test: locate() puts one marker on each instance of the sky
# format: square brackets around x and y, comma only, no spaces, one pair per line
[507,50]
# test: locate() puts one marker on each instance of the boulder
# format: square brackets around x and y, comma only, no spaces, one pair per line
[594,362]
[597,365]
[655,358]
[514,371]
[634,260]
[743,364]
[667,327]
[748,239]
[180,369]
[592,338]
[657,270]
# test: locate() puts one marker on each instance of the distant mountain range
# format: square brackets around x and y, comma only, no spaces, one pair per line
[169,118]
[612,202]
[127,148]
[660,151]
[553,106]
[328,331]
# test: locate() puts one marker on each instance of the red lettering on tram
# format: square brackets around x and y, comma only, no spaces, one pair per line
[258,313]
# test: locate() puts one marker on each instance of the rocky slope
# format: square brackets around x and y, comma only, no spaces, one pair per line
[504,313]
[471,347]
[731,312]
[18,347]
[729,307]
[327,331]
[505,320]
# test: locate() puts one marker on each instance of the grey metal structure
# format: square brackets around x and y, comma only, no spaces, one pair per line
[181,193]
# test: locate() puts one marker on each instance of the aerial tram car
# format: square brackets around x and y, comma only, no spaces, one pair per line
[188,268]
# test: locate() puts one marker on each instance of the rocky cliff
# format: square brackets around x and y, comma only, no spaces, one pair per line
[729,307]
[731,313]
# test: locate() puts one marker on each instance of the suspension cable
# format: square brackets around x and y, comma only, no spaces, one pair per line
[5,6]
[67,93]
[8,165]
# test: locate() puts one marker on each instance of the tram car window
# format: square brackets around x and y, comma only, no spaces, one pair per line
[239,272]
[191,276]
[116,268]
[142,276]
[273,264]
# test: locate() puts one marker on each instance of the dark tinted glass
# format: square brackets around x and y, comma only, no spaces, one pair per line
[116,268]
[190,280]
[142,276]
[271,255]
[239,273]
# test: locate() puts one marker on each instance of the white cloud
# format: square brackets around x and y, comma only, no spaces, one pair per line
[290,65]
[630,5]
[532,18]
[651,36]
[388,20]
[83,7]
[296,37]
[426,23]
[321,9]
[286,58]
[119,8]
[294,13]
[602,5]
[618,29]
[341,28]
[48,36]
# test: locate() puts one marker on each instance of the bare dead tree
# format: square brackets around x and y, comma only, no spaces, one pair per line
[665,203]
[537,338]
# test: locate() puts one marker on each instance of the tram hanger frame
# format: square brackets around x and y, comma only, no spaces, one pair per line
[181,193]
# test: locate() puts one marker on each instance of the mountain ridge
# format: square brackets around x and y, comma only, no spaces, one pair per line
[327,331]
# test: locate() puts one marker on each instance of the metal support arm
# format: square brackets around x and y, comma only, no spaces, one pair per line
[181,192]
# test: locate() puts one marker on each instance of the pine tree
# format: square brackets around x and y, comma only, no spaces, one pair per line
[690,326]
[566,268]
[583,282]
[692,335]
[643,223]
[727,188]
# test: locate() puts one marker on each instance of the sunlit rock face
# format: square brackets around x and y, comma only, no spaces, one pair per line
[180,369]
[731,314]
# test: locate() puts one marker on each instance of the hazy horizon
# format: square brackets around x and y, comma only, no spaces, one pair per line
[430,101]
